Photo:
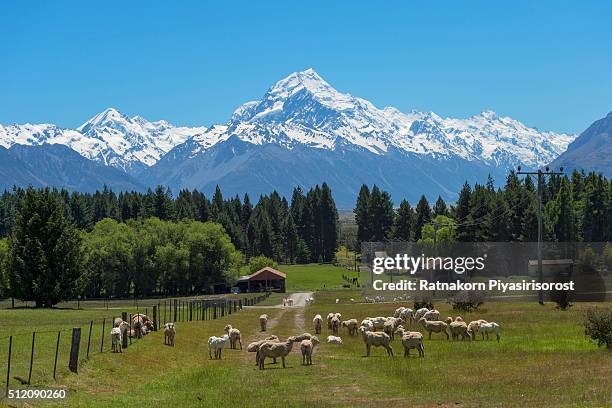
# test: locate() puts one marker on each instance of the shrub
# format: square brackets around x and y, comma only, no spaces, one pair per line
[258,262]
[467,300]
[598,325]
[423,302]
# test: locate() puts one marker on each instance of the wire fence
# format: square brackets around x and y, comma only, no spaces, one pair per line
[44,355]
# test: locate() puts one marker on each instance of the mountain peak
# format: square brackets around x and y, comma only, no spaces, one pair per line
[107,115]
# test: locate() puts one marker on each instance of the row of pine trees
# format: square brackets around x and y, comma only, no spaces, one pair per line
[575,208]
[305,230]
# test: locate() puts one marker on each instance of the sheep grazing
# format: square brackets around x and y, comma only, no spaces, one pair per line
[330,316]
[420,313]
[459,319]
[304,336]
[263,322]
[433,315]
[406,315]
[435,326]
[117,322]
[376,339]
[411,340]
[377,322]
[486,328]
[334,340]
[169,333]
[335,323]
[309,300]
[474,326]
[389,328]
[254,347]
[318,323]
[234,335]
[272,349]
[116,339]
[351,325]
[337,301]
[307,347]
[398,312]
[217,344]
[459,329]
[367,323]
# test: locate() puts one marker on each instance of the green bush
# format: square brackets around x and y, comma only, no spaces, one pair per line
[258,262]
[598,325]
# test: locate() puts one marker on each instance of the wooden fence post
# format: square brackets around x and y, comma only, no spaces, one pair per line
[175,311]
[8,366]
[74,349]
[124,336]
[32,358]
[56,353]
[102,341]
[154,318]
[89,338]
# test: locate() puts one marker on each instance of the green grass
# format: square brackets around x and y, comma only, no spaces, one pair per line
[313,277]
[543,359]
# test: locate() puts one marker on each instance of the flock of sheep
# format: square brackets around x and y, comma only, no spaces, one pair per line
[141,326]
[375,331]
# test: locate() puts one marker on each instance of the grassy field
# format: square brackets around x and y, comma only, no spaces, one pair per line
[543,359]
[311,277]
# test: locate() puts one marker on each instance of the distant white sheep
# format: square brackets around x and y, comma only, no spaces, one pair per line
[334,340]
[376,339]
[330,316]
[486,328]
[307,348]
[234,335]
[169,333]
[263,322]
[217,344]
[335,323]
[318,323]
[116,339]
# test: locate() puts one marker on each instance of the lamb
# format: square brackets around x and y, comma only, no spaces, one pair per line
[376,339]
[474,326]
[169,333]
[234,335]
[435,326]
[335,323]
[271,349]
[351,325]
[334,340]
[411,340]
[217,344]
[116,340]
[432,315]
[459,328]
[487,328]
[420,313]
[254,347]
[330,316]
[263,322]
[318,323]
[307,347]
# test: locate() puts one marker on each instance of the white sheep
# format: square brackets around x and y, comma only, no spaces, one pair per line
[378,322]
[490,327]
[335,323]
[254,347]
[376,339]
[398,312]
[272,349]
[459,328]
[334,340]
[432,315]
[116,339]
[368,324]
[337,301]
[330,316]
[351,325]
[318,323]
[169,333]
[411,340]
[435,327]
[420,313]
[473,327]
[217,344]
[307,347]
[263,322]
[234,335]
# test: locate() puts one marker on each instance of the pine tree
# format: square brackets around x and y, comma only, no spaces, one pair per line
[404,222]
[594,216]
[423,216]
[328,215]
[380,215]
[44,251]
[290,239]
[362,214]
[440,208]
[462,213]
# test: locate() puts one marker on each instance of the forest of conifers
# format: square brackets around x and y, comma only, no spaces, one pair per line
[56,244]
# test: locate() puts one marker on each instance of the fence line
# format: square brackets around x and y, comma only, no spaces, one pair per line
[68,347]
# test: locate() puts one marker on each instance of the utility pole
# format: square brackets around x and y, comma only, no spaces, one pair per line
[540,175]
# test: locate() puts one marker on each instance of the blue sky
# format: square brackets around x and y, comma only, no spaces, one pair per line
[546,63]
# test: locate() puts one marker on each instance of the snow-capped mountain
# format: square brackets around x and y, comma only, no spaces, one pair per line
[303,132]
[111,138]
[303,109]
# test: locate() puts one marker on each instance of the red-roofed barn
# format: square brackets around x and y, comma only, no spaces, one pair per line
[265,279]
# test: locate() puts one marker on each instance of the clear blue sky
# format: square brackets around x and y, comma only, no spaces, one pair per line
[546,63]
